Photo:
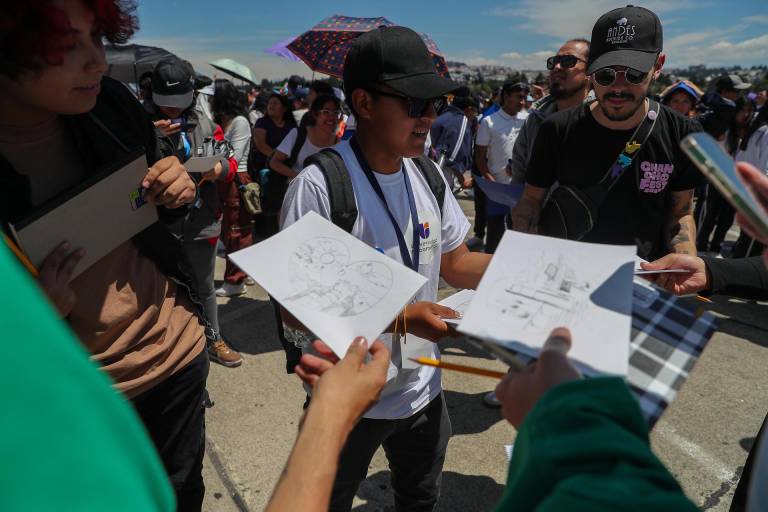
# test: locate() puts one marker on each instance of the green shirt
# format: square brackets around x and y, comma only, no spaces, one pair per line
[68,440]
[584,447]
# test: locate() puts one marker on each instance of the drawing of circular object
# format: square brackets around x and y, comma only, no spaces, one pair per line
[321,254]
[361,285]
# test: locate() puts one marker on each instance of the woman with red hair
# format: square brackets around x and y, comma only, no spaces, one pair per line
[61,122]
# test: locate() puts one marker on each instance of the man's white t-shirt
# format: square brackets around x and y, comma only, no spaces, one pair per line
[499,132]
[407,390]
[308,149]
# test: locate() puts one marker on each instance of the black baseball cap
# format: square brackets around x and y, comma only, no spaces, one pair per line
[173,83]
[731,82]
[629,36]
[515,86]
[396,57]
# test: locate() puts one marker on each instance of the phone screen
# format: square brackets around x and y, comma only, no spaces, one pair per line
[720,168]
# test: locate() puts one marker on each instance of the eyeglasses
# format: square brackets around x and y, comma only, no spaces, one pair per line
[606,76]
[565,61]
[417,107]
[336,114]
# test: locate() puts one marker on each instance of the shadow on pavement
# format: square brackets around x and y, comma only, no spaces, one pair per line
[467,493]
[744,319]
[461,347]
[469,415]
[249,326]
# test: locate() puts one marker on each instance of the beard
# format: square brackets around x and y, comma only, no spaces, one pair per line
[613,115]
[560,91]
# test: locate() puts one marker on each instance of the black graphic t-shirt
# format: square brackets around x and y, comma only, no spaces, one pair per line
[572,148]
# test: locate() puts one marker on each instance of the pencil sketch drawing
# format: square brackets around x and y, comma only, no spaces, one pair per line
[323,279]
[544,291]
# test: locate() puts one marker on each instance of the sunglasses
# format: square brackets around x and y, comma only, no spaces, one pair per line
[417,107]
[606,76]
[565,61]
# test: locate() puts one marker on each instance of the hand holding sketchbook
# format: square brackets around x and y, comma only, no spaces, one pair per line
[334,284]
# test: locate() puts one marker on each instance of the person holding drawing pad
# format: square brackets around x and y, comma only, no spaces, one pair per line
[62,123]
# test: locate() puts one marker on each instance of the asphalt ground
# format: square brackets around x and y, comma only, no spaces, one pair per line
[703,437]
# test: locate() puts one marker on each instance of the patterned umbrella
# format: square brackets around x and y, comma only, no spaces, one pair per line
[324,47]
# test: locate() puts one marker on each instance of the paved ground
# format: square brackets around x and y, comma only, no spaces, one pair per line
[703,437]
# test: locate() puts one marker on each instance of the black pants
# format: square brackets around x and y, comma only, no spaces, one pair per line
[415,448]
[739,502]
[174,415]
[497,224]
[480,200]
[718,215]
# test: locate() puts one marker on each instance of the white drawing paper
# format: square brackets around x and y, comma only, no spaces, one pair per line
[459,302]
[534,284]
[334,284]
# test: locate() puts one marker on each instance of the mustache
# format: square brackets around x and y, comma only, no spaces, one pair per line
[619,95]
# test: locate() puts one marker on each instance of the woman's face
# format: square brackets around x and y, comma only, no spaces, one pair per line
[744,115]
[275,108]
[70,87]
[681,102]
[327,118]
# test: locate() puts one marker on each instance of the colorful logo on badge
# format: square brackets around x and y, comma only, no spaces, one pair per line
[424,230]
[137,198]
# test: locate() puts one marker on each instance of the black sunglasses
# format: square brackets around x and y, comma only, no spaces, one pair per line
[565,61]
[606,76]
[417,107]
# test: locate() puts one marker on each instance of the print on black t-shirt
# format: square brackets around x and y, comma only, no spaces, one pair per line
[573,149]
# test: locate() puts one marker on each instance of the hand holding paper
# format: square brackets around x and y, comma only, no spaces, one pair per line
[168,184]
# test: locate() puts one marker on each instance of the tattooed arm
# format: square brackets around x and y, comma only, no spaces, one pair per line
[681,227]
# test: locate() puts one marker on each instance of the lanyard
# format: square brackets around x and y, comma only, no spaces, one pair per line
[412,262]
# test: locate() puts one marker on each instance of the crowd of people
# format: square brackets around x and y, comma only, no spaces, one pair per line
[597,158]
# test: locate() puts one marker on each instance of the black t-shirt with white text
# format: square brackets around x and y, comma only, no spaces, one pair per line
[572,148]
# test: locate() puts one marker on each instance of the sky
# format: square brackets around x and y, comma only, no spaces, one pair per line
[521,34]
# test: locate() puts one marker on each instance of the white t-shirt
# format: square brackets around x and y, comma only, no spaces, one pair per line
[499,132]
[757,150]
[308,149]
[407,390]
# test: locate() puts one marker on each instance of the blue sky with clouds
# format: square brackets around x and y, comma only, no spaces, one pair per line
[520,33]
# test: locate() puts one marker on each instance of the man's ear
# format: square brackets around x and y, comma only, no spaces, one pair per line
[658,66]
[363,103]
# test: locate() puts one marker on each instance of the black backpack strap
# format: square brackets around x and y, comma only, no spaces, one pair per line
[301,137]
[340,192]
[434,179]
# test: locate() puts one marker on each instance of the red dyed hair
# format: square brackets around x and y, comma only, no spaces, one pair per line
[33,33]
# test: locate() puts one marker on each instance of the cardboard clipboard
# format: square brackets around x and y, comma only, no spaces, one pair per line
[98,215]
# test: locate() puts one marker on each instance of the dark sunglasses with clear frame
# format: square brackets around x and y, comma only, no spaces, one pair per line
[417,107]
[606,76]
[565,61]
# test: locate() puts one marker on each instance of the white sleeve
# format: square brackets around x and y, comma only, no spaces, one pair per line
[286,145]
[240,138]
[454,224]
[305,194]
[484,133]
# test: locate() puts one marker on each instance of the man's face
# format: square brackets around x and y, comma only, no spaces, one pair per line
[730,94]
[620,100]
[565,82]
[513,101]
[397,132]
[72,86]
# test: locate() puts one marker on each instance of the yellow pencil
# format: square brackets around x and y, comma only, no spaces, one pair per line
[20,255]
[457,367]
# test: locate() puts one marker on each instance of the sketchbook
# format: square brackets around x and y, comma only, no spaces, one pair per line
[501,193]
[535,283]
[335,285]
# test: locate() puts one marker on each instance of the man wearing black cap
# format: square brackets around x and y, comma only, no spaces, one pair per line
[393,89]
[648,200]
[496,138]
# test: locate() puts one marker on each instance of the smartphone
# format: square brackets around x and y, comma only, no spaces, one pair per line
[720,169]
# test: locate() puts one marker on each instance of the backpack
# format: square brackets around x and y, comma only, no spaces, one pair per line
[274,186]
[341,195]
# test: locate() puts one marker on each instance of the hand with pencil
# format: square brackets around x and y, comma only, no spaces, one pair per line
[518,392]
[54,276]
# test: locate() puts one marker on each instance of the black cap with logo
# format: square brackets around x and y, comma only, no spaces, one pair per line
[172,83]
[629,36]
[396,57]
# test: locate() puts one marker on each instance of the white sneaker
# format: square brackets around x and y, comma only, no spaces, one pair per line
[230,290]
[249,281]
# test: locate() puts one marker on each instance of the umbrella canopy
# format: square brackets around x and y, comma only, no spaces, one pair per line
[324,47]
[281,50]
[235,69]
[128,62]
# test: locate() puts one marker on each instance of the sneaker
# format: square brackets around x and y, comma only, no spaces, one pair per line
[249,281]
[230,290]
[220,353]
[491,400]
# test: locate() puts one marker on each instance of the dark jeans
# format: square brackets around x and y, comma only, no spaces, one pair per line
[739,502]
[202,257]
[415,448]
[497,224]
[174,415]
[718,215]
[480,210]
